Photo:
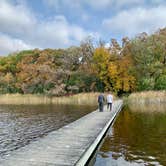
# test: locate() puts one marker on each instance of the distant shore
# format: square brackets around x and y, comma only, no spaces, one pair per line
[33,99]
[138,100]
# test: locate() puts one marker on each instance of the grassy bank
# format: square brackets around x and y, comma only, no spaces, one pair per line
[148,101]
[81,99]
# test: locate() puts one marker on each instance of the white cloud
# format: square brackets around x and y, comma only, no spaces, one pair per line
[58,32]
[17,21]
[19,25]
[8,44]
[53,32]
[133,21]
[107,45]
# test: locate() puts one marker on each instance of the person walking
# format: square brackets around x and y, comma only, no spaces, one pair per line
[109,101]
[101,100]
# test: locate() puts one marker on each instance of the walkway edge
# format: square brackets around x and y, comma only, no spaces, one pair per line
[83,160]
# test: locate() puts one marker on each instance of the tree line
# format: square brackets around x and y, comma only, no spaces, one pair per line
[135,65]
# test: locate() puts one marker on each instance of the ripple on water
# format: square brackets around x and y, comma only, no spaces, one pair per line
[20,125]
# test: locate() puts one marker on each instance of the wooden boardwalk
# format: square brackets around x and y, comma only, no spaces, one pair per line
[70,145]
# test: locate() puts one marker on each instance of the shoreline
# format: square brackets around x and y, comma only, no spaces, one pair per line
[35,99]
[137,99]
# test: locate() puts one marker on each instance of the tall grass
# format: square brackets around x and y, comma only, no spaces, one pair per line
[81,99]
[148,97]
[148,101]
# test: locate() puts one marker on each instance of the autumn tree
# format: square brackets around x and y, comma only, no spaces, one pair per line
[114,69]
[149,54]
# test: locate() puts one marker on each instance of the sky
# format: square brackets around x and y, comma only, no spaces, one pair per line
[29,24]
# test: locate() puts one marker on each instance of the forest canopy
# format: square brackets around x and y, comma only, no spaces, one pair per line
[135,65]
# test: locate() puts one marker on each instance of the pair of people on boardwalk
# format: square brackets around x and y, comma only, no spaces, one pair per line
[101,101]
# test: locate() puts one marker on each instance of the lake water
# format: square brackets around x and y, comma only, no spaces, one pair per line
[136,138]
[20,125]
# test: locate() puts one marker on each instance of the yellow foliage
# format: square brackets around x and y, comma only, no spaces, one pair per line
[101,58]
[114,70]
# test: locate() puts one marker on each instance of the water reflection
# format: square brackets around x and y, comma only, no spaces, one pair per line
[21,124]
[148,107]
[137,138]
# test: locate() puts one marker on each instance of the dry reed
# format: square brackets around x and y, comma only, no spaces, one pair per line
[81,99]
[148,97]
[148,101]
[78,99]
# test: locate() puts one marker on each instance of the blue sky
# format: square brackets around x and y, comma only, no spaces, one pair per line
[28,24]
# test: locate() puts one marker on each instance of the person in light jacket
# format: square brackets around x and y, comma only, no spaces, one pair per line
[109,101]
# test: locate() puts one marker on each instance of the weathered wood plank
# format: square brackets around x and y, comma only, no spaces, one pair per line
[72,144]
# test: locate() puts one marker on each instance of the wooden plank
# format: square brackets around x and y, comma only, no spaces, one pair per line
[72,144]
[85,157]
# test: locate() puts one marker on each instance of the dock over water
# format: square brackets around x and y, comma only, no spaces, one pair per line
[70,145]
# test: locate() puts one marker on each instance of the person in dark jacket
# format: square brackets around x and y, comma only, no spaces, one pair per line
[101,100]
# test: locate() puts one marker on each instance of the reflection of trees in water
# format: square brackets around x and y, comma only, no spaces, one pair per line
[137,136]
[148,107]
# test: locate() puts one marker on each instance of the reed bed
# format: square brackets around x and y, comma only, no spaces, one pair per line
[149,101]
[81,99]
[148,97]
[31,99]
